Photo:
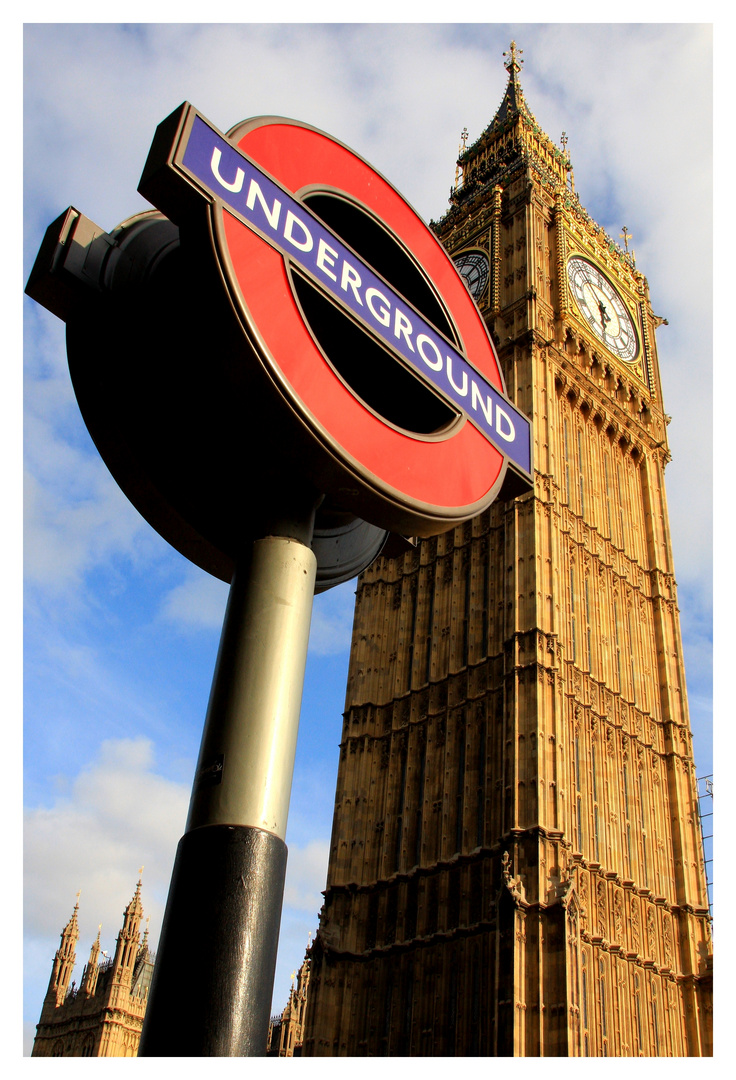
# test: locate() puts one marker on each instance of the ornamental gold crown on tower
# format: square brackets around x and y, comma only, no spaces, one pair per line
[516,864]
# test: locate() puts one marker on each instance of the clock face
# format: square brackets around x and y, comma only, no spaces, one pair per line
[472,266]
[603,309]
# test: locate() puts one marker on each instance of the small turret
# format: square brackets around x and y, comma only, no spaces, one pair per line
[91,970]
[129,943]
[64,960]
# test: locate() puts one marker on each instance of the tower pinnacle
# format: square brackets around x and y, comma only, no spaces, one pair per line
[65,958]
[512,65]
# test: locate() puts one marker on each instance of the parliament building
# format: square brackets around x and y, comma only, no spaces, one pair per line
[516,864]
[103,1016]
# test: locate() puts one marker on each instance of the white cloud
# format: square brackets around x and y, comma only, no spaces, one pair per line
[119,813]
[198,602]
[306,873]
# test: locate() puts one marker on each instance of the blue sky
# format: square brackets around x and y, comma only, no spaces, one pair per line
[120,631]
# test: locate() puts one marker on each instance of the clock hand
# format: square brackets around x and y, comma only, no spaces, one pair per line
[605,317]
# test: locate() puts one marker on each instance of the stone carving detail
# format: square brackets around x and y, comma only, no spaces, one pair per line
[667,940]
[655,768]
[609,740]
[635,930]
[618,917]
[601,908]
[513,884]
[651,933]
[583,901]
[576,720]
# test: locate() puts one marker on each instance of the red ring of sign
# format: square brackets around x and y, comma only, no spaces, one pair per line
[454,476]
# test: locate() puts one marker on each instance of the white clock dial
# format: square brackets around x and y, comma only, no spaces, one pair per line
[603,309]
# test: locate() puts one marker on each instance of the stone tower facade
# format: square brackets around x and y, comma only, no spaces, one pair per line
[516,864]
[104,1016]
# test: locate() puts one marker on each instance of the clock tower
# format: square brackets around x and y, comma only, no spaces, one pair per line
[516,866]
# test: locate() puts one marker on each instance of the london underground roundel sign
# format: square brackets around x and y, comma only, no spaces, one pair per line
[356,313]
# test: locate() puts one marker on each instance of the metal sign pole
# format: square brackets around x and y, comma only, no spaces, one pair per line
[213,979]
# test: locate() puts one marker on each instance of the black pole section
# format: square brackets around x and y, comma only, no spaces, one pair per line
[214,972]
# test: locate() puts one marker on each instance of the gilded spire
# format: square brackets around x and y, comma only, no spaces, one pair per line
[513,140]
[513,101]
[512,65]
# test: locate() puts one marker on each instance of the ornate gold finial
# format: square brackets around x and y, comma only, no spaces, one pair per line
[513,65]
[568,163]
[460,152]
[626,236]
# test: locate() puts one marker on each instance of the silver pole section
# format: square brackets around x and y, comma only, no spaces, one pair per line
[246,760]
[213,976]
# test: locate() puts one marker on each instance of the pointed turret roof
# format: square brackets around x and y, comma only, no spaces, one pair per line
[135,907]
[513,140]
[70,933]
[513,102]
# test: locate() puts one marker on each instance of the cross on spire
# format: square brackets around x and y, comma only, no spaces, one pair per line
[513,65]
[626,236]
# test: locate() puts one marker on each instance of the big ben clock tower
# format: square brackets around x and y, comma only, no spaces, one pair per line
[516,865]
